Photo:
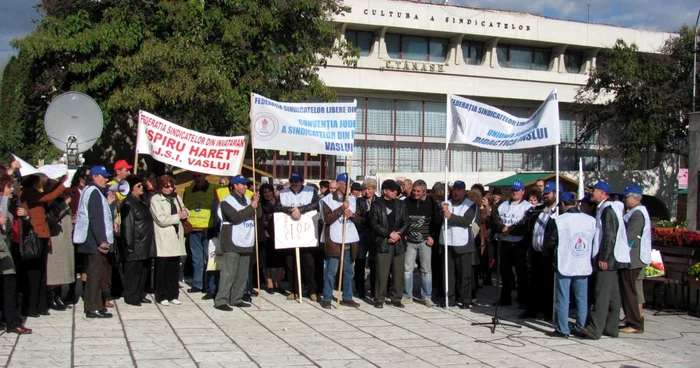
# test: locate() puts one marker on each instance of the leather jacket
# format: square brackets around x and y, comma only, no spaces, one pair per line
[379,224]
[136,230]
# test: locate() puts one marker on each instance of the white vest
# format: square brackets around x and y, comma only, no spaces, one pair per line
[511,215]
[457,236]
[82,222]
[540,227]
[243,234]
[576,232]
[336,228]
[304,197]
[645,243]
[622,249]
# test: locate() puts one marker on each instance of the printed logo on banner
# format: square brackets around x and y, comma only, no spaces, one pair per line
[578,245]
[265,126]
[459,125]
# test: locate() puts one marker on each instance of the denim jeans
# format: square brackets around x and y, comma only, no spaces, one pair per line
[330,271]
[199,247]
[561,307]
[423,252]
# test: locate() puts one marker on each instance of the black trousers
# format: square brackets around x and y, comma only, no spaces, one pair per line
[10,313]
[387,262]
[135,276]
[605,316]
[167,278]
[541,286]
[360,277]
[459,277]
[308,271]
[96,275]
[34,293]
[513,255]
[628,296]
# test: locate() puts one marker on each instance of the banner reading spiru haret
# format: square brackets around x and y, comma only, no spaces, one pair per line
[188,149]
[485,126]
[325,128]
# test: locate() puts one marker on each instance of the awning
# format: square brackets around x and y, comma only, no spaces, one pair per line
[682,191]
[531,178]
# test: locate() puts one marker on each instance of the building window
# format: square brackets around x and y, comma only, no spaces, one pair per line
[573,60]
[416,48]
[408,157]
[434,157]
[473,52]
[435,119]
[360,118]
[380,157]
[409,118]
[567,127]
[380,116]
[521,57]
[360,39]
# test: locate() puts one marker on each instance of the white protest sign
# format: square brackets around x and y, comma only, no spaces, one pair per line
[485,126]
[326,128]
[25,168]
[54,171]
[172,144]
[296,234]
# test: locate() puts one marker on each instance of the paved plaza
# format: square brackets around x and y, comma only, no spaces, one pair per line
[286,333]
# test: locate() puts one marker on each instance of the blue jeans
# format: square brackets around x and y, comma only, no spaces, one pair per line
[330,271]
[561,306]
[423,252]
[199,247]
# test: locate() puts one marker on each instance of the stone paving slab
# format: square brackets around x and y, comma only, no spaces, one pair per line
[288,334]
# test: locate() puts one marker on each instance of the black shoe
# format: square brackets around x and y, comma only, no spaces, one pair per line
[223,307]
[246,298]
[194,289]
[281,291]
[33,315]
[556,333]
[254,292]
[146,301]
[97,314]
[270,291]
[60,303]
[135,304]
[326,305]
[242,305]
[588,334]
[45,313]
[208,296]
[378,305]
[398,304]
[464,306]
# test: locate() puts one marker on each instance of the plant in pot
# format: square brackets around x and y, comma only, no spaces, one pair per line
[694,276]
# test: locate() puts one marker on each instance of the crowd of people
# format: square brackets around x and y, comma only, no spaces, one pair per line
[59,243]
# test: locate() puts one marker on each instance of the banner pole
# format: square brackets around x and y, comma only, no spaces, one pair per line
[255,218]
[448,116]
[345,229]
[298,262]
[136,150]
[554,289]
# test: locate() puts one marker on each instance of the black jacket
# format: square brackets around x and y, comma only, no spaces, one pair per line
[136,230]
[379,223]
[425,218]
[464,221]
[96,232]
[234,218]
[606,252]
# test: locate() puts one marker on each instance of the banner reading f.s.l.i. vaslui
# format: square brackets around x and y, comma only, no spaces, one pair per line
[325,128]
[188,149]
[485,126]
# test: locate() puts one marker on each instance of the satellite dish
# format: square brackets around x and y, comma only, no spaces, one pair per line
[73,123]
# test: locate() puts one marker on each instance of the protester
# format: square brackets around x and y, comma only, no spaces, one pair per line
[223,181]
[122,169]
[168,214]
[365,252]
[34,200]
[274,259]
[611,254]
[540,184]
[236,213]
[569,238]
[323,188]
[406,189]
[388,219]
[295,201]
[150,182]
[534,196]
[13,321]
[425,217]
[485,236]
[340,216]
[478,233]
[93,235]
[60,262]
[356,190]
[638,230]
[137,242]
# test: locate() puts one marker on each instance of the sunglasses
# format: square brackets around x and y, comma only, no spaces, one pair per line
[167,186]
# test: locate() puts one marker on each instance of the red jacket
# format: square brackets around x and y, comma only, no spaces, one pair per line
[34,201]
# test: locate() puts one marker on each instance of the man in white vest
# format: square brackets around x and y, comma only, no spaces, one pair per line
[611,253]
[237,215]
[93,235]
[296,200]
[638,229]
[569,238]
[460,213]
[338,208]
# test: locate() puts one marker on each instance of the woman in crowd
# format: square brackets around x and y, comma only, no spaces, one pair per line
[273,258]
[77,184]
[60,262]
[34,201]
[137,242]
[150,182]
[168,212]
[13,322]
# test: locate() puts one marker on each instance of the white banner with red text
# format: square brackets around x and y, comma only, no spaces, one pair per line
[172,144]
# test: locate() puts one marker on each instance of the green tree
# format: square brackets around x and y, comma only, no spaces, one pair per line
[639,101]
[193,62]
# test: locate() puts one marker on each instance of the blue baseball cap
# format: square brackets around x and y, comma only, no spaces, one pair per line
[586,198]
[550,187]
[517,185]
[296,177]
[567,197]
[238,179]
[459,185]
[632,188]
[100,170]
[343,177]
[601,185]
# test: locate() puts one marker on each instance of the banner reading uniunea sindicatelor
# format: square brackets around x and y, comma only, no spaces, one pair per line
[485,126]
[325,128]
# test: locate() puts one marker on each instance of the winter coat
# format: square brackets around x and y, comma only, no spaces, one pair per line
[7,265]
[379,223]
[34,201]
[137,231]
[169,232]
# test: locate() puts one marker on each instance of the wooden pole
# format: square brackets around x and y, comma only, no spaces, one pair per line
[298,260]
[136,150]
[255,217]
[345,229]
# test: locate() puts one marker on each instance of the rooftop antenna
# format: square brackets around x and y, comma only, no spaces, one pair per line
[589,12]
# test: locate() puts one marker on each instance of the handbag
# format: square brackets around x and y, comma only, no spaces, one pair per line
[187,226]
[31,246]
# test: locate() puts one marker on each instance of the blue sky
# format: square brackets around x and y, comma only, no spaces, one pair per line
[17,17]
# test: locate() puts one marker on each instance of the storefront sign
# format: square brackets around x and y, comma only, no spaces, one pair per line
[414,66]
[466,22]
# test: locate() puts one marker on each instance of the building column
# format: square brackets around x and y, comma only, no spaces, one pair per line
[559,65]
[379,39]
[491,52]
[693,170]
